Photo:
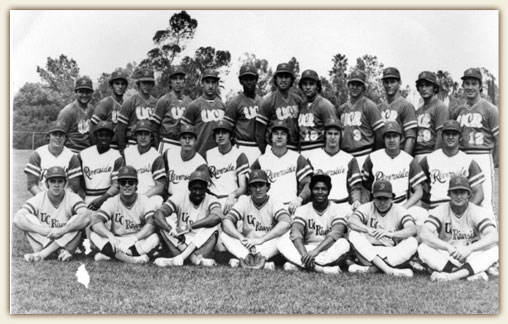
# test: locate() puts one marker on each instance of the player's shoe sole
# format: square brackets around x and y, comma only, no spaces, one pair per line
[141,259]
[207,262]
[288,266]
[269,266]
[482,276]
[168,262]
[101,257]
[494,270]
[234,263]
[403,273]
[32,257]
[440,276]
[64,255]
[330,270]
[356,268]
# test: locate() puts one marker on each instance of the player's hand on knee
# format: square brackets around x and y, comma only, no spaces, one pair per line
[115,243]
[462,252]
[96,204]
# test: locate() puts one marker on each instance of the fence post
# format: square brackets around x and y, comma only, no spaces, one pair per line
[33,140]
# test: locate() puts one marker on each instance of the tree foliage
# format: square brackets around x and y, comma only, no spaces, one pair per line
[373,70]
[338,80]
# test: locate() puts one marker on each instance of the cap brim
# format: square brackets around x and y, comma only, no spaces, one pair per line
[356,80]
[390,77]
[257,181]
[460,188]
[248,73]
[382,194]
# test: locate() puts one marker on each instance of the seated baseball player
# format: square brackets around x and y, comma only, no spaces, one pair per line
[316,241]
[189,223]
[288,171]
[148,163]
[382,234]
[264,221]
[131,236]
[52,220]
[52,154]
[459,239]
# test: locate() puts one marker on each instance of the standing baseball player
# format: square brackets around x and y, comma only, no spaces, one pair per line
[361,120]
[193,233]
[180,166]
[398,109]
[147,162]
[382,234]
[342,167]
[169,110]
[479,120]
[264,221]
[430,116]
[277,106]
[228,166]
[288,171]
[460,239]
[132,234]
[242,110]
[109,108]
[99,165]
[138,107]
[76,116]
[316,241]
[52,220]
[313,114]
[52,154]
[206,109]
[446,162]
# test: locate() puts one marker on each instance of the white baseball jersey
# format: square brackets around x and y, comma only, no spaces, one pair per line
[257,220]
[317,225]
[439,168]
[41,160]
[285,173]
[180,170]
[466,228]
[99,170]
[395,219]
[342,168]
[403,172]
[188,213]
[127,220]
[225,169]
[55,216]
[149,165]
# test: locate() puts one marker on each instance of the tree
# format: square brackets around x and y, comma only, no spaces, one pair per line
[338,77]
[60,75]
[264,71]
[373,70]
[104,89]
[490,88]
[446,84]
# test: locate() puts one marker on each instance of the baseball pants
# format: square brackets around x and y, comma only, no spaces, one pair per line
[268,249]
[198,236]
[143,246]
[37,240]
[487,165]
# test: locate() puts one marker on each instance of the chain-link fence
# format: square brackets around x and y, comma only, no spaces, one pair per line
[28,140]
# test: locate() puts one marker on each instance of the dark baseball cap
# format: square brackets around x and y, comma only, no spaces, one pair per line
[143,125]
[392,127]
[333,123]
[248,69]
[83,83]
[427,76]
[280,124]
[472,73]
[146,74]
[104,125]
[199,175]
[177,69]
[258,175]
[310,74]
[284,68]
[57,127]
[127,172]
[458,183]
[382,188]
[187,129]
[118,75]
[357,75]
[222,124]
[451,125]
[55,172]
[210,74]
[320,176]
[391,72]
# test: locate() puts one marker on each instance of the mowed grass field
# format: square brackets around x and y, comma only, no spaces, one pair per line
[51,287]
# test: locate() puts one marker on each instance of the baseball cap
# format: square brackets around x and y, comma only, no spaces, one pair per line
[55,172]
[391,72]
[319,175]
[143,125]
[258,175]
[199,175]
[209,73]
[187,129]
[310,74]
[382,188]
[177,69]
[57,127]
[472,73]
[83,83]
[427,76]
[145,74]
[459,182]
[392,127]
[127,172]
[284,68]
[222,124]
[248,69]
[104,125]
[118,75]
[451,125]
[357,75]
[333,123]
[280,124]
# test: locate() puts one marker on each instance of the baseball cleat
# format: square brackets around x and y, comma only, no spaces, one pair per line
[169,262]
[331,270]
[494,270]
[64,255]
[141,259]
[269,266]
[478,277]
[101,257]
[205,262]
[33,257]
[356,268]
[234,263]
[403,273]
[288,266]
[440,276]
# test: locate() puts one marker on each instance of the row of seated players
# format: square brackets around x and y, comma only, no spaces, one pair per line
[458,239]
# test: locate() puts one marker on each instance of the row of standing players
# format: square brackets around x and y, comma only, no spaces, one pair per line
[308,80]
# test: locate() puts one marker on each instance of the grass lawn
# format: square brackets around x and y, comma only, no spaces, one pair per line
[51,287]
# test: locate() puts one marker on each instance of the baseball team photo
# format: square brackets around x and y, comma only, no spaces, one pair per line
[254,162]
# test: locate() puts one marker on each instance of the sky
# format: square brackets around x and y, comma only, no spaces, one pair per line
[411,40]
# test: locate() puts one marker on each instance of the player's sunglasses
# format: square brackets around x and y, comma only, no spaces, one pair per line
[127,182]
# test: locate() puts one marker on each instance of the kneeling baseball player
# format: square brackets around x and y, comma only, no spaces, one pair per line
[264,221]
[382,234]
[316,241]
[189,223]
[131,236]
[459,239]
